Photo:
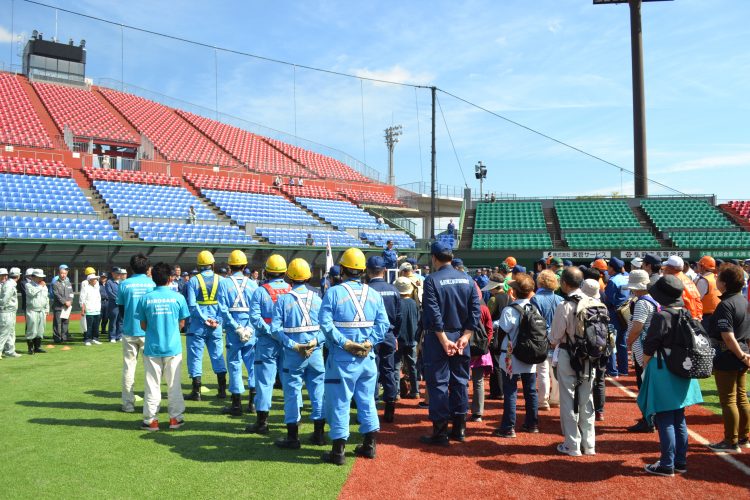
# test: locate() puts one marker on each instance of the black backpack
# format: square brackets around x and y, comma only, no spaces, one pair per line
[691,354]
[594,338]
[479,343]
[531,345]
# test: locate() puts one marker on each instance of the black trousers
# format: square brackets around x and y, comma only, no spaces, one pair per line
[496,378]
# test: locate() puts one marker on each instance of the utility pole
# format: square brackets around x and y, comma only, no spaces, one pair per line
[433,189]
[640,161]
[480,172]
[391,138]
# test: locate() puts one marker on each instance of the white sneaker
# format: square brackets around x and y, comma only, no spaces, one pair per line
[96,342]
[87,343]
[12,355]
[561,448]
[113,341]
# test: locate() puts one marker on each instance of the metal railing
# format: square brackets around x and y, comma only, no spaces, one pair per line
[246,125]
[424,188]
[394,218]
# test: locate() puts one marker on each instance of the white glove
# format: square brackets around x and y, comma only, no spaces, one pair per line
[244,333]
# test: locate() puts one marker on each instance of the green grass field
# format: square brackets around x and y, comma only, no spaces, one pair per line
[65,437]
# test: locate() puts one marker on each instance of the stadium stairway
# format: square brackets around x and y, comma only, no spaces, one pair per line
[467,232]
[645,223]
[121,119]
[105,213]
[220,214]
[41,111]
[553,227]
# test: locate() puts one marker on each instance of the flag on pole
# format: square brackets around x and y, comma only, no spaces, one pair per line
[329,256]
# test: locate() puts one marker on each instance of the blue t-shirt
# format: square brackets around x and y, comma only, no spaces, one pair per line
[130,292]
[162,309]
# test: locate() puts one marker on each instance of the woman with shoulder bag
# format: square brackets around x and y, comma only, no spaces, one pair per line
[729,330]
[664,395]
[481,365]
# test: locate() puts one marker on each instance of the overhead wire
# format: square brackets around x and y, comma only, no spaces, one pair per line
[455,153]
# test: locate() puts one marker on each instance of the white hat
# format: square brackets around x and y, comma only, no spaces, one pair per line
[675,261]
[92,276]
[38,273]
[636,263]
[3,271]
[30,271]
[405,267]
[638,280]
[404,285]
[14,271]
[590,287]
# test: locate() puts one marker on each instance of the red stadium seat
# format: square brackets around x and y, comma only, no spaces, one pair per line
[19,123]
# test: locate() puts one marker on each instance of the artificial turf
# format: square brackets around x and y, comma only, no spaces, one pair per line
[64,436]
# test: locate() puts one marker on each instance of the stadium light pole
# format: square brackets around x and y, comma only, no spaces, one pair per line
[391,138]
[480,172]
[639,101]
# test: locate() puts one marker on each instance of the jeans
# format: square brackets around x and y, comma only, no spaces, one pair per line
[510,388]
[673,437]
[406,358]
[477,398]
[735,409]
[618,361]
[92,327]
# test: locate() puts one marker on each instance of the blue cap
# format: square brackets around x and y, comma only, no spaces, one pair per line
[222,270]
[651,259]
[247,271]
[185,273]
[458,262]
[376,262]
[412,261]
[194,272]
[567,263]
[519,269]
[334,271]
[440,248]
[62,266]
[616,264]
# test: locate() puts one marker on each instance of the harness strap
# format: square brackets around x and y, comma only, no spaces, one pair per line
[359,303]
[240,303]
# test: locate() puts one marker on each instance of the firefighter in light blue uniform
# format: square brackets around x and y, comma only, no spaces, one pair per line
[268,351]
[353,320]
[234,296]
[205,327]
[295,326]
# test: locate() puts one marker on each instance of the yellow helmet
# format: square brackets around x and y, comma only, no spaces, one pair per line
[237,258]
[276,264]
[353,258]
[89,270]
[299,270]
[205,258]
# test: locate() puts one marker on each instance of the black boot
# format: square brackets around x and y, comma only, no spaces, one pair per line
[235,410]
[458,432]
[195,394]
[251,403]
[439,434]
[641,426]
[367,448]
[38,345]
[337,454]
[222,379]
[403,388]
[291,441]
[390,411]
[318,437]
[261,424]
[30,345]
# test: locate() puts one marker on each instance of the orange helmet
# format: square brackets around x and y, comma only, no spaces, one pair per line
[599,264]
[511,261]
[708,263]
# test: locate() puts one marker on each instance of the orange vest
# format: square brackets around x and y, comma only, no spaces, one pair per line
[711,299]
[691,297]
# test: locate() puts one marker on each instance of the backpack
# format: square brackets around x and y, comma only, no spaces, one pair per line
[594,339]
[531,345]
[691,354]
[479,343]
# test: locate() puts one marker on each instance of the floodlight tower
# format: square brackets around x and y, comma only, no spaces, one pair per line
[391,138]
[480,172]
[639,101]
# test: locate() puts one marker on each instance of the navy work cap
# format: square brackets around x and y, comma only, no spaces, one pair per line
[376,262]
[440,248]
[185,273]
[458,262]
[616,264]
[412,261]
[334,271]
[519,269]
[651,259]
[567,263]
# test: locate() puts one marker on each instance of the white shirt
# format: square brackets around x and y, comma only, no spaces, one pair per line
[508,322]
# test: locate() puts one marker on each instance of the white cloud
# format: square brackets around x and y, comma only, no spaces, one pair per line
[554,25]
[5,35]
[395,73]
[708,162]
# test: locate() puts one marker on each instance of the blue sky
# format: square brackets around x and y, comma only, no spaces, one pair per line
[560,66]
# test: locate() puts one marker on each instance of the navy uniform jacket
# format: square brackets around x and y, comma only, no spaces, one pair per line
[391,258]
[450,301]
[392,303]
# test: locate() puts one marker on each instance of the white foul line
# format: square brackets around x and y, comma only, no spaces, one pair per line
[697,437]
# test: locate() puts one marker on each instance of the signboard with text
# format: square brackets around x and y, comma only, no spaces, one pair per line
[579,254]
[662,254]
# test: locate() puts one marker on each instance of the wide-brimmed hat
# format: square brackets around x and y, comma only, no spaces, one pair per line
[491,285]
[667,291]
[591,288]
[638,280]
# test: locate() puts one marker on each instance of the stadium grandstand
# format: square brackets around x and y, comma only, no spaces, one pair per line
[90,170]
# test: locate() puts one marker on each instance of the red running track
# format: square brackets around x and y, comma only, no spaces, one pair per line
[529,466]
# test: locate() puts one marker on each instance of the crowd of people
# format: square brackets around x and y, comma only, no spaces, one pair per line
[560,330]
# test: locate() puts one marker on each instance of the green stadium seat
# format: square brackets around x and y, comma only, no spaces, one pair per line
[640,239]
[685,214]
[595,214]
[518,241]
[510,216]
[711,239]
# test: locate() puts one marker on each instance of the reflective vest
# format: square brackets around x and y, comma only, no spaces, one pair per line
[208,299]
[305,304]
[712,297]
[360,320]
[691,297]
[274,293]
[240,304]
